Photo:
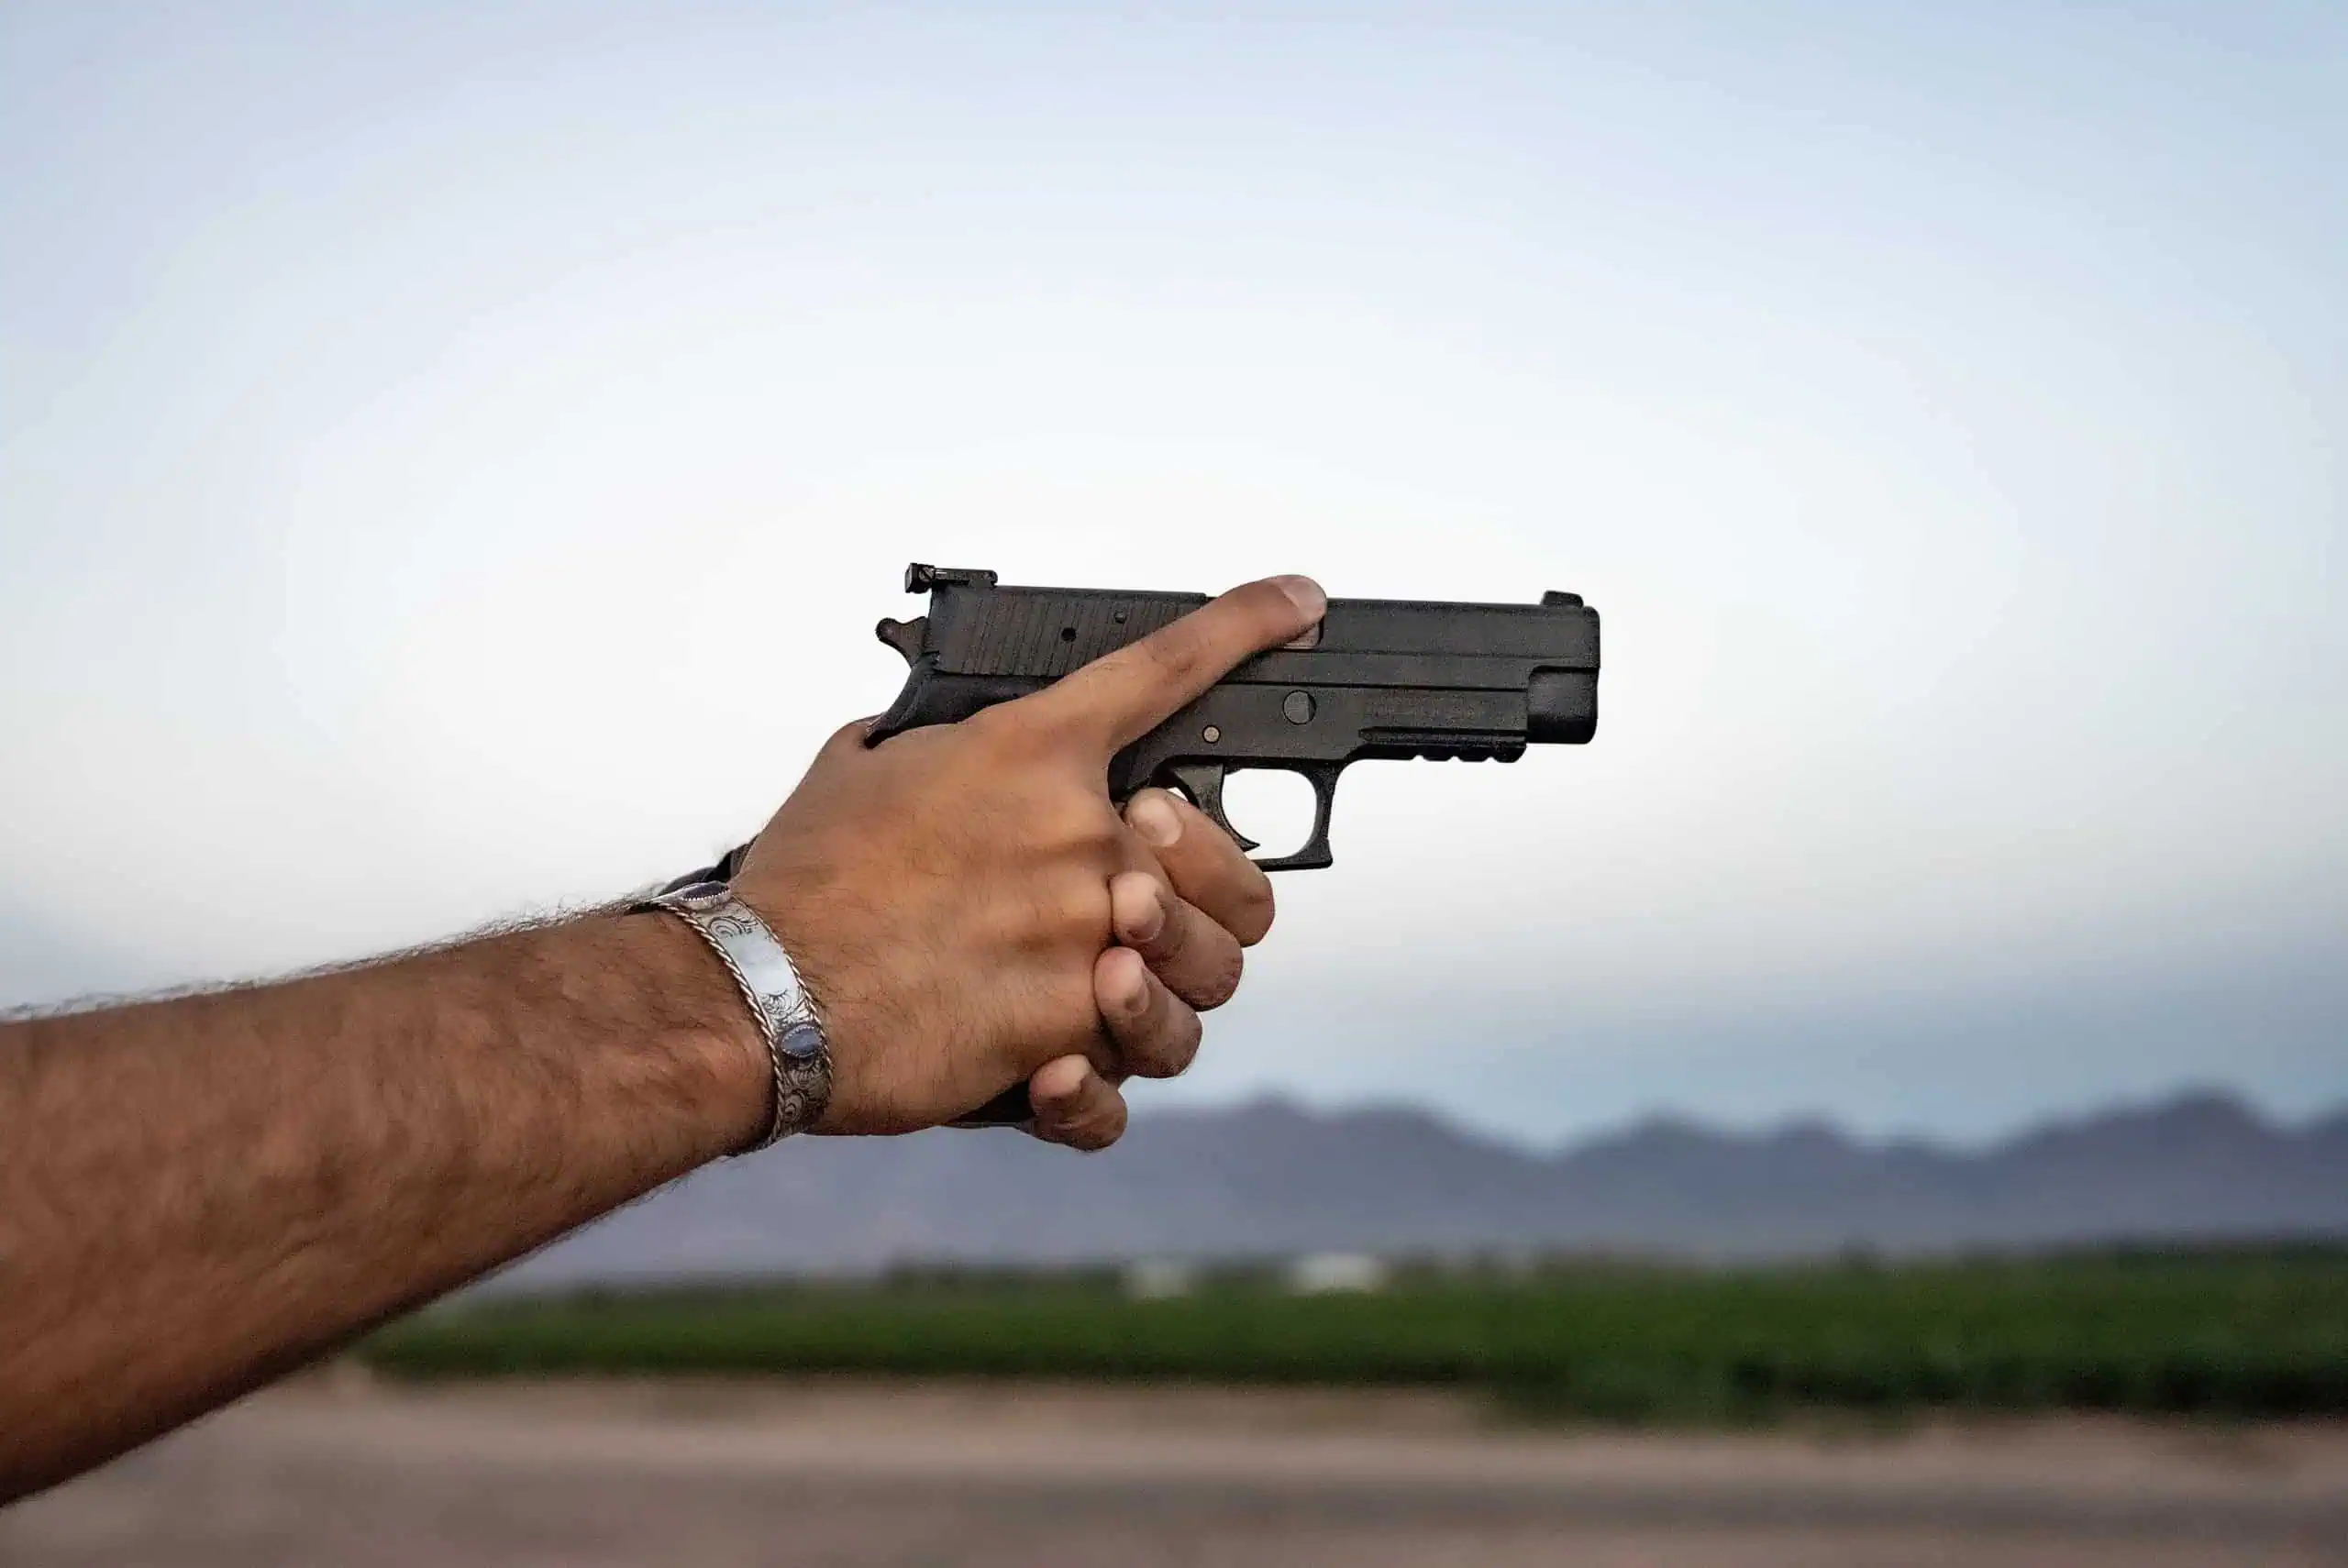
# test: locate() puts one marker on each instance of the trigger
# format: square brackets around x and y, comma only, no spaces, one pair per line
[1203,781]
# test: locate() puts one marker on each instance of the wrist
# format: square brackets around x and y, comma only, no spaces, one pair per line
[703,1025]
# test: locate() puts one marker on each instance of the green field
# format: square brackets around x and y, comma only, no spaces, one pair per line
[2244,1335]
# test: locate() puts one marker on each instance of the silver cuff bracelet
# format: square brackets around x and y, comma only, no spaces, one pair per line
[770,982]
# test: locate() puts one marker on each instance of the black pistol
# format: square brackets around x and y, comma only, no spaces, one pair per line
[1377,678]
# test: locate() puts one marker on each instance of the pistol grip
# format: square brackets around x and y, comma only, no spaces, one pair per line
[1012,1108]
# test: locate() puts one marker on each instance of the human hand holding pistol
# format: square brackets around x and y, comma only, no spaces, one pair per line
[970,910]
[199,1193]
[981,906]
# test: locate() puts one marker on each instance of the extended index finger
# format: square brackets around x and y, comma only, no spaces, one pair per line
[1122,696]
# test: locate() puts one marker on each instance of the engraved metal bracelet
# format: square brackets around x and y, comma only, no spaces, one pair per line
[770,982]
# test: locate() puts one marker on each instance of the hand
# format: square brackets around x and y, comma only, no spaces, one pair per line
[1177,957]
[971,912]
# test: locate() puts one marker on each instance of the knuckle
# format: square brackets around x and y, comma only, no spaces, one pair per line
[1068,833]
[1252,909]
[1218,984]
[1159,1060]
[1081,902]
[1081,815]
[1193,1035]
[1174,936]
[1096,1123]
[1177,652]
[1013,733]
[1170,1050]
[1149,1041]
[1005,724]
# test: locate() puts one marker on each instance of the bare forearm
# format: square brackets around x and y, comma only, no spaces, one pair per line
[195,1194]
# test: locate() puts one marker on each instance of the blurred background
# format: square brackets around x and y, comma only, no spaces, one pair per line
[422,426]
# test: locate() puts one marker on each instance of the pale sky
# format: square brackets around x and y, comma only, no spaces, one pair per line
[451,458]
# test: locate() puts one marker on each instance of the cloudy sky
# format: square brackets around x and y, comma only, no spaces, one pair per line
[451,458]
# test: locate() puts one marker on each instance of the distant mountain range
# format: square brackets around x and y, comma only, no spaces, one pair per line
[1272,1179]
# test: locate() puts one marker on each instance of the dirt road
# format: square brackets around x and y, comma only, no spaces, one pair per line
[862,1476]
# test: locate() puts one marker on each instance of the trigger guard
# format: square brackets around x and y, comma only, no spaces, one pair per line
[1314,855]
[1202,782]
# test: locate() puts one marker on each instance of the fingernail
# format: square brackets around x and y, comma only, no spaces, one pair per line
[1152,922]
[1156,820]
[1305,594]
[1044,1095]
